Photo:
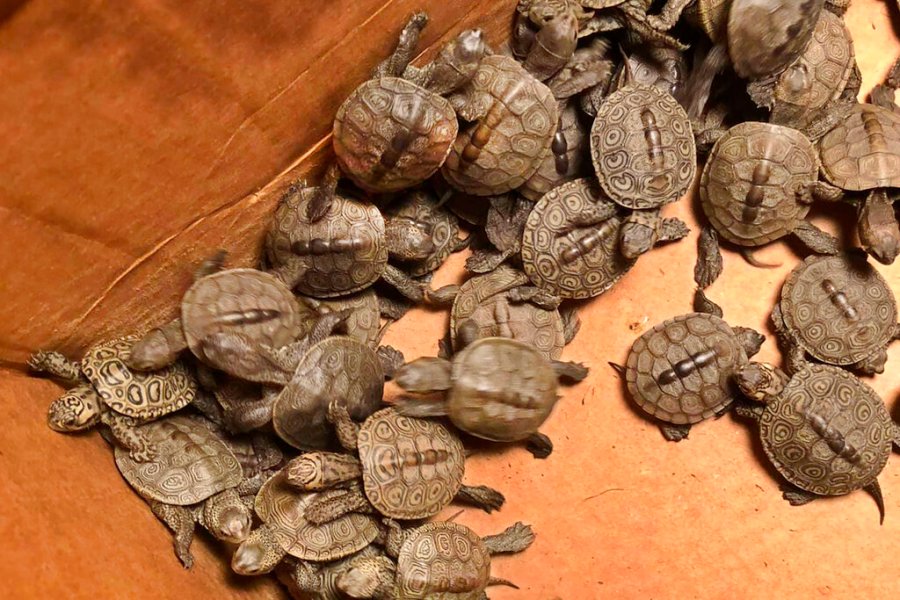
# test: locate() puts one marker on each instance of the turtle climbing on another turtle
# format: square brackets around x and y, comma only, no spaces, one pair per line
[545,35]
[680,372]
[410,469]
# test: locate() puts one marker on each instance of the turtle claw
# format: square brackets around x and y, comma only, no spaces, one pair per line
[337,411]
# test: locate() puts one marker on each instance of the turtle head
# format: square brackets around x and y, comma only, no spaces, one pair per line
[408,239]
[761,381]
[259,554]
[457,63]
[151,352]
[227,518]
[873,364]
[77,410]
[636,238]
[424,375]
[367,578]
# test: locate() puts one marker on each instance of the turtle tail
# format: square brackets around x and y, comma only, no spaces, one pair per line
[747,253]
[499,581]
[875,490]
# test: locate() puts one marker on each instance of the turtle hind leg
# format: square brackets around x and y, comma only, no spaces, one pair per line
[796,496]
[539,445]
[709,258]
[486,498]
[54,364]
[571,371]
[391,359]
[181,521]
[875,490]
[515,538]
[675,433]
[334,507]
[748,254]
[702,304]
[126,435]
[816,240]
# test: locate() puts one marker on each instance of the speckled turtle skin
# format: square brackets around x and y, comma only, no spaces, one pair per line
[412,468]
[191,464]
[642,147]
[211,300]
[863,151]
[443,561]
[143,396]
[849,407]
[282,507]
[478,300]
[363,323]
[552,230]
[482,401]
[702,394]
[824,329]
[514,119]
[421,207]
[337,367]
[332,273]
[751,184]
[378,111]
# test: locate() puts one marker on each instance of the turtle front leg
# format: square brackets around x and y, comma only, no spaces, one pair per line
[515,538]
[395,64]
[535,295]
[485,260]
[486,498]
[571,371]
[180,521]
[403,283]
[668,16]
[796,496]
[346,428]
[539,445]
[126,434]
[442,297]
[571,323]
[334,507]
[709,258]
[55,364]
[246,359]
[749,411]
[391,360]
[675,433]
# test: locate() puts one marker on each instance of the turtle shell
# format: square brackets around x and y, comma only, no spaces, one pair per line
[363,324]
[218,302]
[283,507]
[515,118]
[764,36]
[712,17]
[840,307]
[331,273]
[657,66]
[548,174]
[391,134]
[483,298]
[642,147]
[412,468]
[335,368]
[650,372]
[863,151]
[818,76]
[192,463]
[502,390]
[141,395]
[820,397]
[551,231]
[750,186]
[443,561]
[422,207]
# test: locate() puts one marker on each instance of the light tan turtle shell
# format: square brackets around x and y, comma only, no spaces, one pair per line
[283,507]
[850,408]
[412,468]
[750,187]
[863,151]
[443,561]
[142,395]
[703,393]
[547,175]
[823,327]
[337,368]
[191,465]
[375,117]
[502,390]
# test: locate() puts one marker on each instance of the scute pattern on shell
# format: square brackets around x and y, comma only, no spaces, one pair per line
[142,395]
[422,207]
[713,17]
[863,151]
[374,114]
[527,116]
[334,274]
[192,463]
[847,405]
[443,561]
[624,159]
[233,292]
[546,177]
[727,181]
[547,236]
[412,468]
[823,329]
[700,395]
[502,390]
[283,507]
[335,368]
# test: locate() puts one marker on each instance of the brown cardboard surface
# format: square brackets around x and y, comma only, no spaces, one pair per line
[137,137]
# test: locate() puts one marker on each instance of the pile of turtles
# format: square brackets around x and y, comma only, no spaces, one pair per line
[259,413]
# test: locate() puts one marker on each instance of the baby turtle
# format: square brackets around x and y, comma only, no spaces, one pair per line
[285,530]
[642,147]
[410,469]
[514,118]
[571,245]
[823,429]
[106,391]
[497,389]
[840,310]
[194,478]
[395,130]
[545,35]
[318,581]
[436,560]
[680,372]
[362,309]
